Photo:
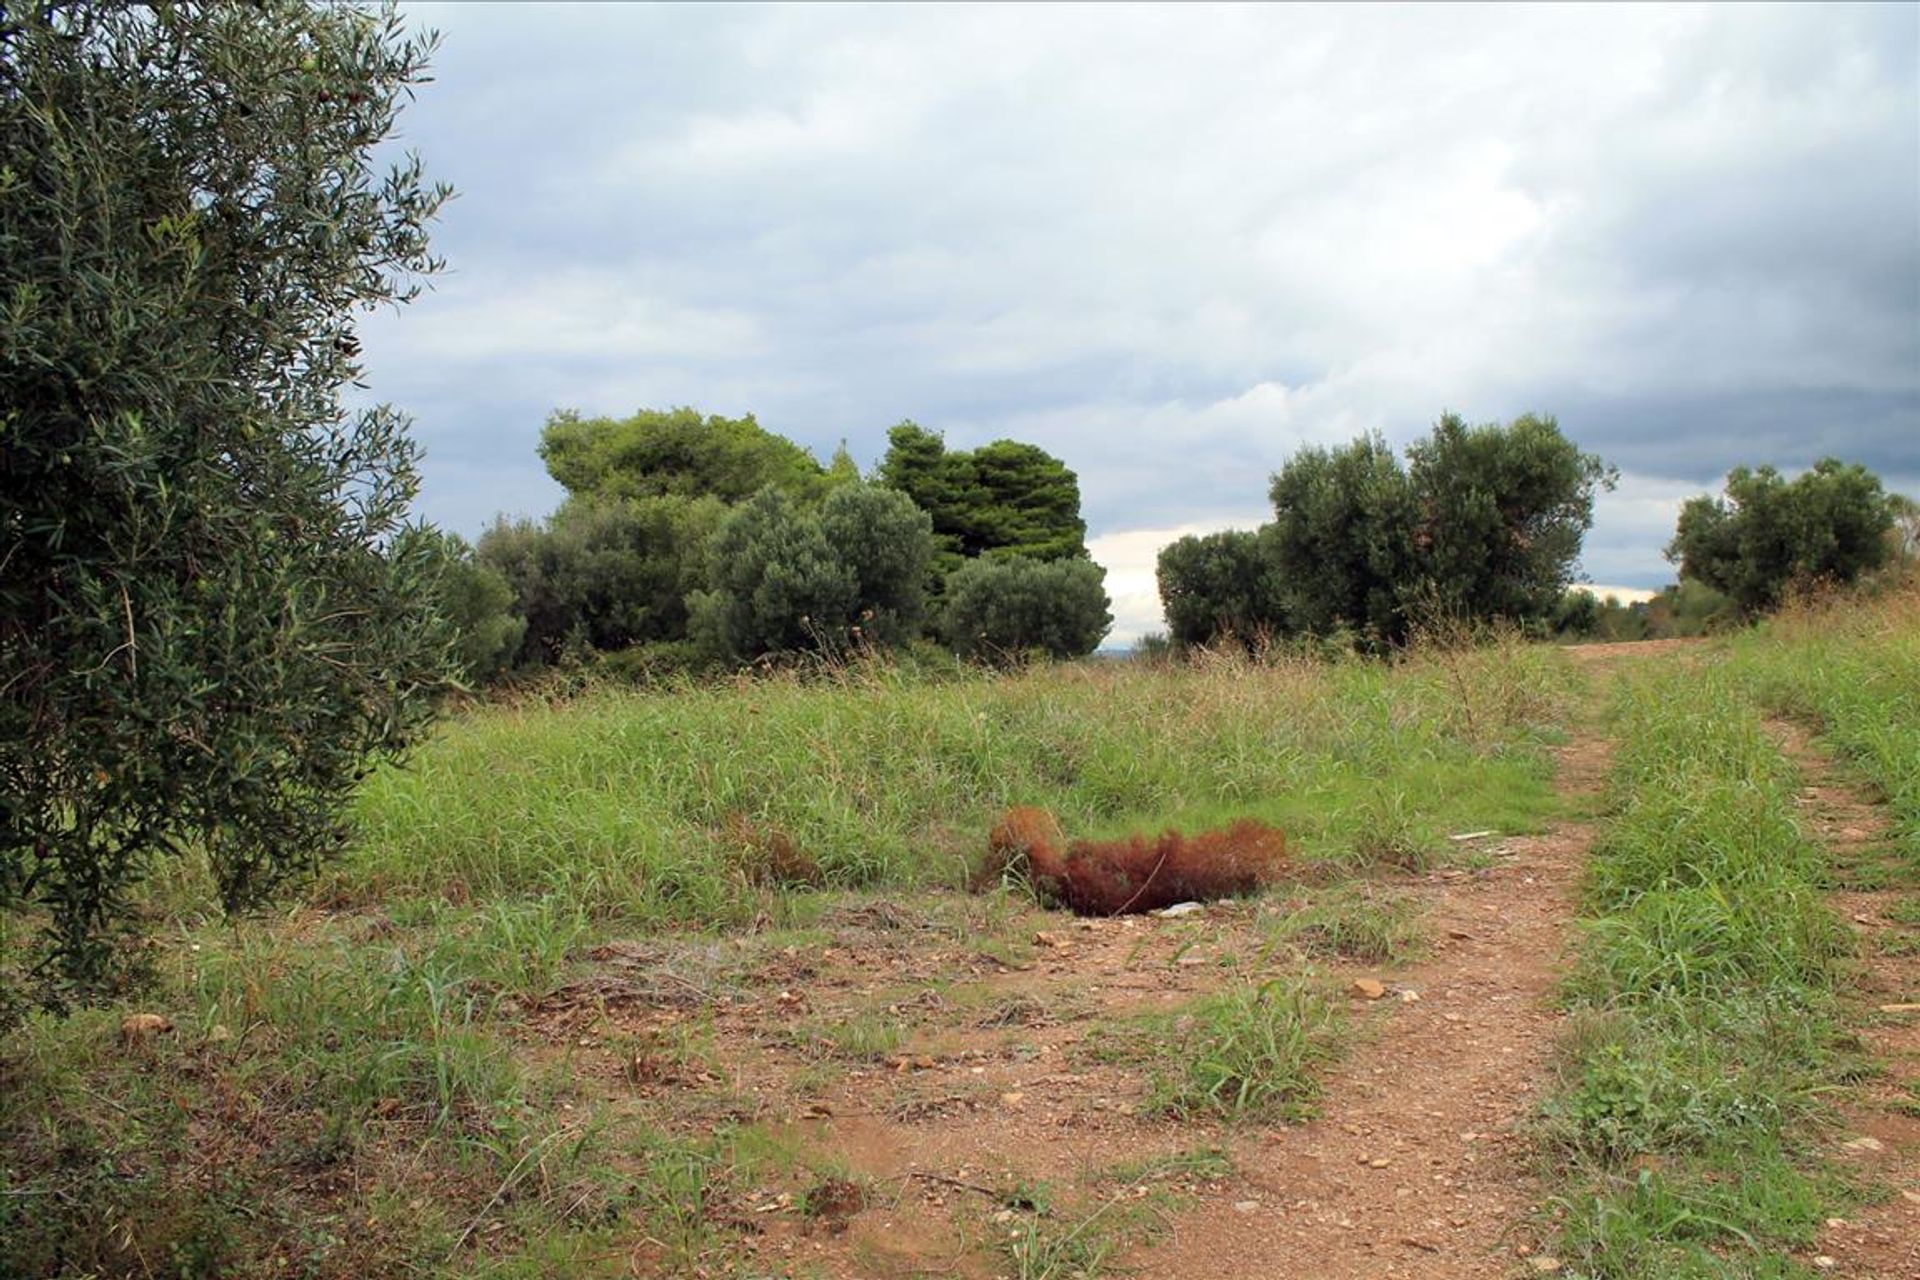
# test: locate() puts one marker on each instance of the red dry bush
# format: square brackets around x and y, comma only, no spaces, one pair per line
[1024,838]
[765,854]
[1139,873]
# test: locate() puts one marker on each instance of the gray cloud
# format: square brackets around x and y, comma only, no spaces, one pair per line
[1174,244]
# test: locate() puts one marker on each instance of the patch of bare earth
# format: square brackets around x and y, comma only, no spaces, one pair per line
[1606,655]
[1880,1135]
[1416,1164]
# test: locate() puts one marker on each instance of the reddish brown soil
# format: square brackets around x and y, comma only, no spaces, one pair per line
[1880,1240]
[1414,1167]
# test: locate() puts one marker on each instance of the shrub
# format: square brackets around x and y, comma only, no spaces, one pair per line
[1001,610]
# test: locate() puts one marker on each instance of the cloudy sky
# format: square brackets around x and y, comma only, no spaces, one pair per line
[1174,244]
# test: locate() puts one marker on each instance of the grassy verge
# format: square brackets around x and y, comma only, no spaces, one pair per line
[1704,1030]
[1852,669]
[376,1082]
[681,807]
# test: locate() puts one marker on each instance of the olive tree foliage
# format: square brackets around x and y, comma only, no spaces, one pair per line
[786,578]
[1219,585]
[1342,539]
[478,603]
[211,624]
[1830,524]
[603,574]
[1000,610]
[1484,522]
[1502,512]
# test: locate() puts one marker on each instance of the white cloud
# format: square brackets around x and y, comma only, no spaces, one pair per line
[1174,244]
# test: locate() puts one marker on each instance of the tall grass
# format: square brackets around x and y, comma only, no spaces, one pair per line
[632,805]
[1851,666]
[1704,1030]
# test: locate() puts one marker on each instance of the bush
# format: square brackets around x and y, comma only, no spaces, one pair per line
[606,574]
[786,579]
[1829,525]
[1000,610]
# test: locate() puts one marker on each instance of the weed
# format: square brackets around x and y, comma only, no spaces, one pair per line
[1250,1050]
[1355,921]
[864,1037]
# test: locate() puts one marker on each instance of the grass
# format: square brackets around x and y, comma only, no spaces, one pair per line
[1851,669]
[628,806]
[392,1076]
[1119,1208]
[1356,921]
[1706,1029]
[1250,1051]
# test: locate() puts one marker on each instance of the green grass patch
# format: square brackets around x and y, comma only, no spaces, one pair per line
[1356,921]
[659,807]
[1251,1051]
[1705,1032]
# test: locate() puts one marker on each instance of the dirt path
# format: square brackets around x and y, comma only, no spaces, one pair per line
[1414,1167]
[1880,1133]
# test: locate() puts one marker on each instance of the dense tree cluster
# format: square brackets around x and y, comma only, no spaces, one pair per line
[1004,499]
[1828,525]
[1481,522]
[704,539]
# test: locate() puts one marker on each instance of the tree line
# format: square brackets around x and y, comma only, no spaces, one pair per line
[688,540]
[1485,523]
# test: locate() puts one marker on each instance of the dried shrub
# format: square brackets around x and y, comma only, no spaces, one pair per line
[1024,838]
[1139,873]
[766,855]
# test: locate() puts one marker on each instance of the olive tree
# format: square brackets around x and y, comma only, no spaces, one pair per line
[212,620]
[1829,524]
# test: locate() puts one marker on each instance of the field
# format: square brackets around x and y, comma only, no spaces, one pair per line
[1597,962]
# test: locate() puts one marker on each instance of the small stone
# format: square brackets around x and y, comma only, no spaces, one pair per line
[1179,909]
[1013,1099]
[1826,1262]
[1246,1206]
[1545,1263]
[1378,1162]
[219,1034]
[1368,988]
[1409,996]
